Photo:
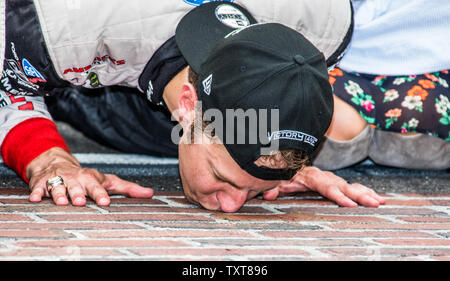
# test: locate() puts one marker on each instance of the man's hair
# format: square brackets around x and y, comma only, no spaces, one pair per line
[287,159]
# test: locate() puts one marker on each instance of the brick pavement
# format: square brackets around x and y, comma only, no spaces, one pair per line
[167,227]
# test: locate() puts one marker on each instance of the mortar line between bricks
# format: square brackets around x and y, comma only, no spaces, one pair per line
[160,257]
[76,233]
[168,201]
[189,258]
[260,236]
[287,247]
[397,195]
[437,233]
[128,253]
[281,247]
[97,208]
[314,252]
[14,196]
[34,217]
[132,223]
[144,205]
[256,235]
[270,208]
[114,213]
[144,225]
[394,219]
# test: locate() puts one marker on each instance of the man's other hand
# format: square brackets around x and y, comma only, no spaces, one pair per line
[80,182]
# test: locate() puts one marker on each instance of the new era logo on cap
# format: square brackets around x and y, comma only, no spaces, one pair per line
[207,83]
[231,16]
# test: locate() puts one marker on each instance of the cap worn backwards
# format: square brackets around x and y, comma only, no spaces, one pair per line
[259,67]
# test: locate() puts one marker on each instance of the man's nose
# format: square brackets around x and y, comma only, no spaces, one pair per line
[231,201]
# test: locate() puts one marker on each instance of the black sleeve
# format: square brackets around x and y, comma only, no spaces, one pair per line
[118,117]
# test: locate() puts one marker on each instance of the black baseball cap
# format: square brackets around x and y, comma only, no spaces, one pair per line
[269,71]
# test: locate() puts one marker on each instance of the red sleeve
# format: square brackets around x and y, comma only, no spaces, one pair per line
[27,140]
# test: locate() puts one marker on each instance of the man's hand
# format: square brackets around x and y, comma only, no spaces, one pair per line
[330,186]
[80,182]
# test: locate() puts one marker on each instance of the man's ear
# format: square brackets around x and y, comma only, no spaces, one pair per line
[186,103]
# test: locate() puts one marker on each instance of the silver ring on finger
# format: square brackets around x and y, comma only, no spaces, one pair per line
[51,183]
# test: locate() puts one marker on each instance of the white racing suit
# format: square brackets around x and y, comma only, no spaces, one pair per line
[52,44]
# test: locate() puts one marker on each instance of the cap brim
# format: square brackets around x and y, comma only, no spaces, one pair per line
[200,30]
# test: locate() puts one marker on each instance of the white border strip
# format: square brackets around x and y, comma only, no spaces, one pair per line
[121,159]
[124,159]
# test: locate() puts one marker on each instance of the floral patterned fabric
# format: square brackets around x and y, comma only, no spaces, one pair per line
[415,103]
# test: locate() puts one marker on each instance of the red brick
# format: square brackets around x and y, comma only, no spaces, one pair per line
[249,206]
[446,258]
[277,243]
[139,201]
[424,219]
[71,226]
[38,208]
[14,191]
[440,202]
[68,252]
[409,202]
[33,234]
[170,227]
[294,201]
[350,234]
[414,242]
[280,225]
[165,209]
[125,217]
[100,243]
[343,258]
[295,217]
[182,200]
[156,209]
[169,193]
[405,252]
[412,226]
[219,252]
[362,211]
[10,201]
[166,233]
[13,217]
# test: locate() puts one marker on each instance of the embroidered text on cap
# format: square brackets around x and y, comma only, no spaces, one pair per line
[231,16]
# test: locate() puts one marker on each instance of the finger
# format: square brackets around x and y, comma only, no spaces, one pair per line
[38,190]
[337,196]
[59,194]
[76,193]
[115,185]
[292,187]
[380,199]
[98,194]
[362,195]
[271,194]
[37,194]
